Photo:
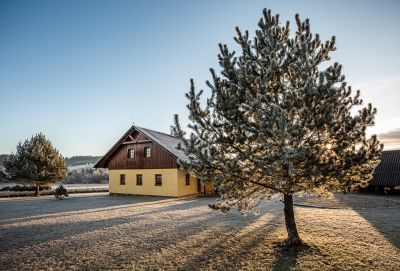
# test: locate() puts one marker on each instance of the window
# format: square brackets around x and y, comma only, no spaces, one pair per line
[158,180]
[147,152]
[131,153]
[122,179]
[187,179]
[139,179]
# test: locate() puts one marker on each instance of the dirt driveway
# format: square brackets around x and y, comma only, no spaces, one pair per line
[98,232]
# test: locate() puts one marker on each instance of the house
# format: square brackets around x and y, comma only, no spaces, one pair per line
[387,173]
[145,162]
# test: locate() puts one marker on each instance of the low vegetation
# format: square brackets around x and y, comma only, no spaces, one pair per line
[46,192]
[60,192]
[20,188]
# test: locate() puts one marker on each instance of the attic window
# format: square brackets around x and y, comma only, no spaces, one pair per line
[147,152]
[131,153]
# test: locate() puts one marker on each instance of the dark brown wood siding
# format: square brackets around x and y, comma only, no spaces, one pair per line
[160,158]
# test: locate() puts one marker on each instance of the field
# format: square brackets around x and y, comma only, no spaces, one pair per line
[98,232]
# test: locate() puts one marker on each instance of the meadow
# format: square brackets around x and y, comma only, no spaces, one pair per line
[99,232]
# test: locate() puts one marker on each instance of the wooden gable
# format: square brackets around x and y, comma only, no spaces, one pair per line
[118,159]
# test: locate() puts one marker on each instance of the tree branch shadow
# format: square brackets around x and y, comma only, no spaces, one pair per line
[287,258]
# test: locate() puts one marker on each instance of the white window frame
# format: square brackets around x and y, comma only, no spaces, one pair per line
[147,153]
[160,179]
[131,151]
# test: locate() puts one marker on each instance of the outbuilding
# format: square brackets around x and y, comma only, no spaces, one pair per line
[387,173]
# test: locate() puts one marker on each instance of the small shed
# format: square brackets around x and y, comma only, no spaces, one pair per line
[387,173]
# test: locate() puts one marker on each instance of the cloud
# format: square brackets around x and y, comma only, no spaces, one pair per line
[391,139]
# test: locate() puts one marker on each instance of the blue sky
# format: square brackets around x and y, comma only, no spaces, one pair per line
[82,71]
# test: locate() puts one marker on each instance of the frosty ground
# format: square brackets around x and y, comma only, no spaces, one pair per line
[98,232]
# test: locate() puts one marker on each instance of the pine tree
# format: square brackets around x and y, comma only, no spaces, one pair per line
[276,122]
[36,161]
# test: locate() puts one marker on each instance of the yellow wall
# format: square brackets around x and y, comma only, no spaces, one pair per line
[173,182]
[184,189]
[209,188]
[169,186]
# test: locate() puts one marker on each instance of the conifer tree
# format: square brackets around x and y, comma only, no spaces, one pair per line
[36,161]
[278,122]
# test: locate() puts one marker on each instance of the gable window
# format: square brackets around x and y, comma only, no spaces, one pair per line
[147,152]
[158,180]
[139,179]
[131,153]
[122,179]
[187,179]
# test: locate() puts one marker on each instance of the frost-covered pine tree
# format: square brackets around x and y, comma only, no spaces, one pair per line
[277,122]
[36,161]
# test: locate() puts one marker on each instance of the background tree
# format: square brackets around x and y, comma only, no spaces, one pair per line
[3,174]
[36,161]
[276,122]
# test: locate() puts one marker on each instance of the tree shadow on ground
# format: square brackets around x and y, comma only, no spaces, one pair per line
[253,250]
[383,217]
[286,259]
[235,245]
[172,229]
[136,232]
[73,210]
[34,234]
[30,208]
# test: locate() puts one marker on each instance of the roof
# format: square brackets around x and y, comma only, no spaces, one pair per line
[165,141]
[387,173]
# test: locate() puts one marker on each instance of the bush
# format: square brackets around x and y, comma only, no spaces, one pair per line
[25,188]
[60,192]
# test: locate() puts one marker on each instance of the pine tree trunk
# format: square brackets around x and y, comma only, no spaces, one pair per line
[293,236]
[36,190]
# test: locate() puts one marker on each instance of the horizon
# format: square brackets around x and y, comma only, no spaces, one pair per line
[83,72]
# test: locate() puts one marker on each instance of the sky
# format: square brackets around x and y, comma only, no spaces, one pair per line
[82,72]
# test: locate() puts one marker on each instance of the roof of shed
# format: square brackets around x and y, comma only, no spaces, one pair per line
[387,173]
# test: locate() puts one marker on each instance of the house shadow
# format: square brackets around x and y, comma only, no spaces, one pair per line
[46,206]
[37,233]
[381,212]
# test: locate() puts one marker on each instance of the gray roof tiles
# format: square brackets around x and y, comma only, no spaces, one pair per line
[168,142]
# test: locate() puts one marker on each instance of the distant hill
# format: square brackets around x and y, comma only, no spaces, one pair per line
[81,160]
[71,161]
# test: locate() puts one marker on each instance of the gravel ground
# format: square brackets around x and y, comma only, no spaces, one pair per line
[98,232]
